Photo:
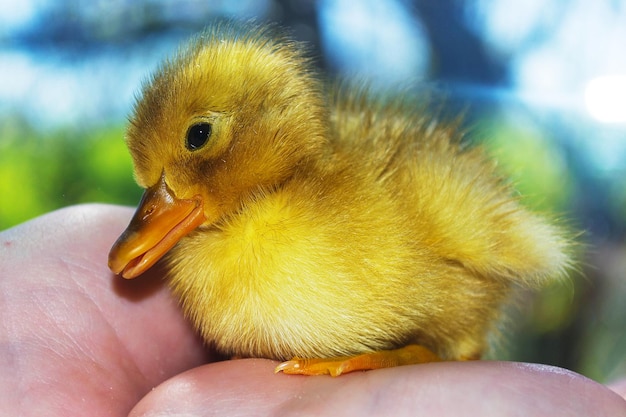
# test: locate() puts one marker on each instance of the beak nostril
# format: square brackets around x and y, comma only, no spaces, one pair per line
[149,211]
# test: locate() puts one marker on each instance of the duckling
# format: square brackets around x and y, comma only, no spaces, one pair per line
[325,228]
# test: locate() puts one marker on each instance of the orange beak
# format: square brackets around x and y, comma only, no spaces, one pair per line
[158,224]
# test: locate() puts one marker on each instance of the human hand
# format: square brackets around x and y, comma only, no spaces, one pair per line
[77,340]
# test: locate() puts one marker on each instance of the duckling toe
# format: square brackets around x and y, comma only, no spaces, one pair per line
[408,355]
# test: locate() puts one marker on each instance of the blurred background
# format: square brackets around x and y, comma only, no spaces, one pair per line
[542,84]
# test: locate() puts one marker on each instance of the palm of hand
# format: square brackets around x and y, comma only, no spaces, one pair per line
[79,339]
[76,339]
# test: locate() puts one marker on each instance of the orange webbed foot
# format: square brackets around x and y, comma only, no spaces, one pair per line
[408,355]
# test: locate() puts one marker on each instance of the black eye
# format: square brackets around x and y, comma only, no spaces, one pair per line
[198,135]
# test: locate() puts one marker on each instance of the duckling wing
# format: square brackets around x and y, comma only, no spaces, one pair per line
[455,201]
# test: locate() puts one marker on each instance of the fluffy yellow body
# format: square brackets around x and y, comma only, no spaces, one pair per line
[334,224]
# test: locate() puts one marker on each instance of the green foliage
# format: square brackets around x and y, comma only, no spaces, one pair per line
[532,161]
[41,171]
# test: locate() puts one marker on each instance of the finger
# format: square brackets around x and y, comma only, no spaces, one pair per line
[249,388]
[619,387]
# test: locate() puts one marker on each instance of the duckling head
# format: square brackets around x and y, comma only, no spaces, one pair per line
[236,111]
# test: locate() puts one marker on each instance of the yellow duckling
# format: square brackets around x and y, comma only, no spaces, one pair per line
[336,228]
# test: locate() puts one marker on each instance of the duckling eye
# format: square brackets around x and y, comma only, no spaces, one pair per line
[198,135]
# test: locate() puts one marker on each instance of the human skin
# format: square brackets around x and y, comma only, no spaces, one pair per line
[77,340]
